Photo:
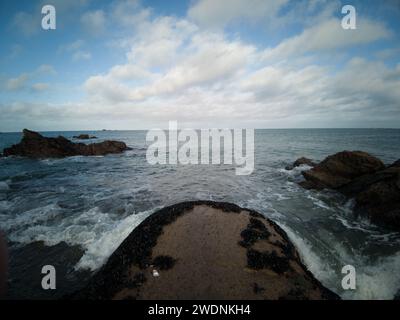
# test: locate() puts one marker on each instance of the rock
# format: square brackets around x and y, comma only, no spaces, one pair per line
[84,137]
[341,168]
[380,201]
[395,164]
[362,183]
[205,250]
[358,175]
[301,161]
[34,145]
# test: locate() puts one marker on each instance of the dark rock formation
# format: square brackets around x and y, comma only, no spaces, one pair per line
[376,189]
[341,168]
[301,161]
[34,145]
[199,250]
[84,137]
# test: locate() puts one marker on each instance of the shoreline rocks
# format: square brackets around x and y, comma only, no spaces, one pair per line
[359,175]
[34,145]
[205,250]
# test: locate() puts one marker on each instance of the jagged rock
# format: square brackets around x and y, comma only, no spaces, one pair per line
[341,168]
[301,161]
[395,164]
[358,175]
[208,250]
[34,145]
[84,137]
[380,201]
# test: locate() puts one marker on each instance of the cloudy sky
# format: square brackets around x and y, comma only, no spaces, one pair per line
[136,64]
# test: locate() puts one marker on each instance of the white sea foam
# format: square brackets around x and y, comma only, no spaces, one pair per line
[98,233]
[99,248]
[379,279]
[319,203]
[310,258]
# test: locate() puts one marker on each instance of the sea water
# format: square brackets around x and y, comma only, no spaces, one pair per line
[74,212]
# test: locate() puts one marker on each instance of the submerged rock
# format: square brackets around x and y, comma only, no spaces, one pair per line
[358,175]
[205,250]
[84,137]
[34,145]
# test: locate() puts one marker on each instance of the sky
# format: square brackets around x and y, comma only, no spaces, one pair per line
[137,64]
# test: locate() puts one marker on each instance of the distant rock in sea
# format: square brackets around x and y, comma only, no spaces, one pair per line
[301,161]
[359,175]
[205,250]
[34,145]
[84,137]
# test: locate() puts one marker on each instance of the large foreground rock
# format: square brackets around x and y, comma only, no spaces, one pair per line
[205,250]
[34,145]
[358,175]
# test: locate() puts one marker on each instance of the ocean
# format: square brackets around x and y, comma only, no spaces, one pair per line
[73,212]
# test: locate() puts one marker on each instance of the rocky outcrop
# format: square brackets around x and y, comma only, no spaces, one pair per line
[341,168]
[34,145]
[205,250]
[375,188]
[301,161]
[84,137]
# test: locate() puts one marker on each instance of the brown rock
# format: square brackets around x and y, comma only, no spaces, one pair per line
[205,250]
[376,189]
[301,161]
[380,201]
[341,168]
[34,145]
[84,137]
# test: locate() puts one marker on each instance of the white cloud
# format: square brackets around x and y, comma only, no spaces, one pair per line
[73,46]
[17,83]
[214,80]
[328,35]
[46,69]
[129,13]
[20,82]
[77,50]
[211,13]
[205,59]
[40,86]
[94,22]
[81,55]
[176,69]
[27,23]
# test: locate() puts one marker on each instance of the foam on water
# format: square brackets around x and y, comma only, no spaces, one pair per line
[99,248]
[98,233]
[95,202]
[375,280]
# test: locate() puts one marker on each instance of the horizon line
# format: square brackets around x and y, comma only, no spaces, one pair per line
[121,130]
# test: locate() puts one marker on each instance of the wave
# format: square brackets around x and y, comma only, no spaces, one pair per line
[97,232]
[375,280]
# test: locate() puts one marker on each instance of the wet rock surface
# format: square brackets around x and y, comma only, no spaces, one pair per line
[34,145]
[359,175]
[301,161]
[201,250]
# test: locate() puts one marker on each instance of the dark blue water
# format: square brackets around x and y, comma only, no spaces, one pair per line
[93,203]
